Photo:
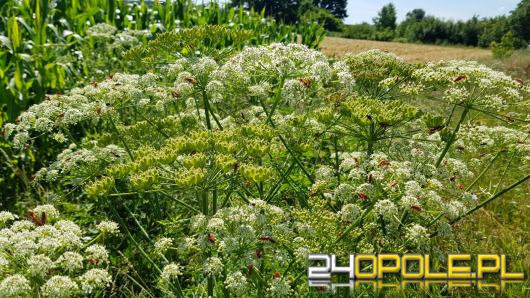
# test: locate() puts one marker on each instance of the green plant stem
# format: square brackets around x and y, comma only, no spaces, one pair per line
[211,283]
[484,203]
[92,241]
[298,162]
[283,178]
[206,110]
[131,156]
[155,126]
[277,98]
[282,139]
[453,137]
[142,252]
[355,224]
[505,171]
[337,164]
[514,185]
[484,171]
[181,202]
[371,140]
[144,232]
[404,217]
[448,122]
[214,201]
[204,202]
[437,218]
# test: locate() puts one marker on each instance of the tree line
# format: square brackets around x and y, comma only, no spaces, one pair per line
[506,32]
[511,30]
[328,12]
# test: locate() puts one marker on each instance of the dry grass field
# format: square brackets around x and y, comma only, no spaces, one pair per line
[336,46]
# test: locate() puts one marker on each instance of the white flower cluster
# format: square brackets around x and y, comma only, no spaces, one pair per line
[101,31]
[475,138]
[108,228]
[74,161]
[108,35]
[298,71]
[279,287]
[129,39]
[251,232]
[213,266]
[47,254]
[53,114]
[391,188]
[6,216]
[237,283]
[275,61]
[56,115]
[162,245]
[171,271]
[471,83]
[378,72]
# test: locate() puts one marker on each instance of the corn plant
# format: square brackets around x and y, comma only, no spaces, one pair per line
[41,54]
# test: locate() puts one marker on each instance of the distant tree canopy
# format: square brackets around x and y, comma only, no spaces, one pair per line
[418,26]
[327,12]
[284,10]
[416,14]
[386,18]
[336,7]
[520,20]
[312,13]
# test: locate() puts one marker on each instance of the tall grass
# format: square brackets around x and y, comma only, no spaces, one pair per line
[40,40]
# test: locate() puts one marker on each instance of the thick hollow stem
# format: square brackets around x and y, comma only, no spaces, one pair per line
[211,283]
[204,199]
[453,137]
[371,140]
[206,110]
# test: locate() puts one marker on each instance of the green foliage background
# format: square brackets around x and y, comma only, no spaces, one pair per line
[219,144]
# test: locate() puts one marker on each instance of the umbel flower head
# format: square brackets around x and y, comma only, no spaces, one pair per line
[470,83]
[47,255]
[60,114]
[378,73]
[261,158]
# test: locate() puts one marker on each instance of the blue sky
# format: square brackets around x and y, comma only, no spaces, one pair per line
[364,10]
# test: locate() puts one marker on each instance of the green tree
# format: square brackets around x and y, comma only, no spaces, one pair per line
[359,31]
[470,32]
[386,18]
[322,16]
[283,10]
[493,29]
[520,20]
[506,47]
[405,29]
[336,7]
[415,15]
[429,30]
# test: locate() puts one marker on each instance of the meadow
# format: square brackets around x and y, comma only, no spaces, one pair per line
[196,151]
[337,46]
